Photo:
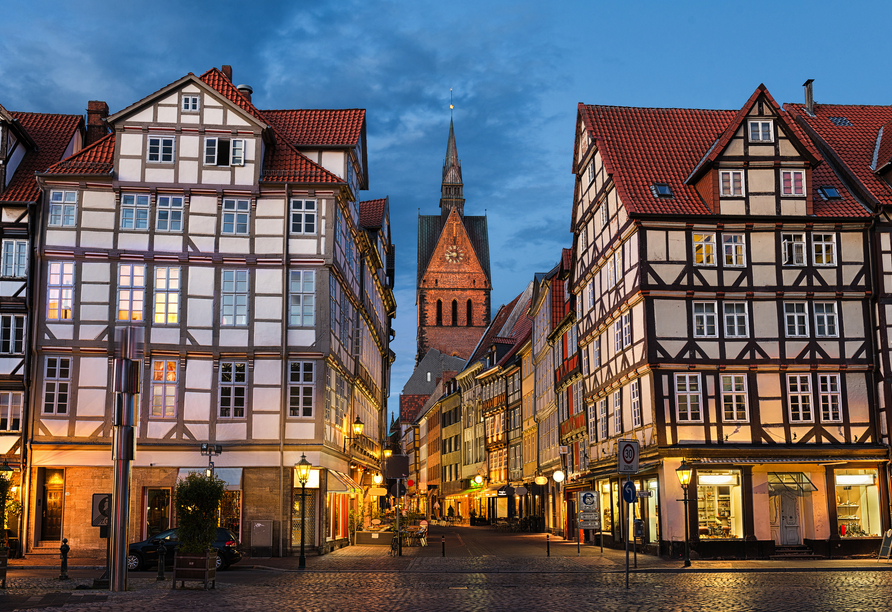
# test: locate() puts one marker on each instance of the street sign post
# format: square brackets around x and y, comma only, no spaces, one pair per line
[628,456]
[630,494]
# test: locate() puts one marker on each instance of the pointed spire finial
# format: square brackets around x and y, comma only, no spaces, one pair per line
[450,103]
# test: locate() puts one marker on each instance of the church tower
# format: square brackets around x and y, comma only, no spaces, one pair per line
[453,283]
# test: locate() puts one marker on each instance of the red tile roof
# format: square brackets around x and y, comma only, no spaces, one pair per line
[410,406]
[371,212]
[307,127]
[98,158]
[51,134]
[285,164]
[216,79]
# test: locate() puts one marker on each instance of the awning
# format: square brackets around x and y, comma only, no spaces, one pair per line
[464,493]
[796,482]
[232,477]
[776,460]
[338,482]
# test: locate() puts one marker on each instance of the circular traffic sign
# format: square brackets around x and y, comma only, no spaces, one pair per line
[588,498]
[630,495]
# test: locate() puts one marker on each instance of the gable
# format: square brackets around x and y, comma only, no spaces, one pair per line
[453,261]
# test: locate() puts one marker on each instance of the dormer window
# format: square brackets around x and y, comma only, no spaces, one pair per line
[761,131]
[830,193]
[731,183]
[661,190]
[224,152]
[191,104]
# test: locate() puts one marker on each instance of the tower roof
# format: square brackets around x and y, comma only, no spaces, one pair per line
[452,166]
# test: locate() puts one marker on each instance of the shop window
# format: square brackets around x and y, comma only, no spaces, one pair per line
[231,512]
[719,504]
[157,511]
[653,511]
[858,503]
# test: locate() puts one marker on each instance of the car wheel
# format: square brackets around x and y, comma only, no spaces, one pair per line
[221,562]
[134,562]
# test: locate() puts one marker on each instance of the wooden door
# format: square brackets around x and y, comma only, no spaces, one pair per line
[789,507]
[51,522]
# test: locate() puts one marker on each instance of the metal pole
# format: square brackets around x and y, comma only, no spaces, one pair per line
[578,542]
[687,552]
[444,545]
[302,562]
[399,540]
[628,510]
[547,545]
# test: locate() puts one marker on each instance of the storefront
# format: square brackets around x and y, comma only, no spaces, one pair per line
[157,502]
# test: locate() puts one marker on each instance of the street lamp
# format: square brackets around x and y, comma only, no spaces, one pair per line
[684,477]
[357,428]
[303,475]
[211,451]
[377,478]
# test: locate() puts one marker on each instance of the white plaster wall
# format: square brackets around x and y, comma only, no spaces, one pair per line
[197,406]
[91,402]
[199,373]
[93,372]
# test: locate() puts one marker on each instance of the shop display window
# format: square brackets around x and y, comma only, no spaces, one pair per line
[606,516]
[719,504]
[157,511]
[617,513]
[231,512]
[653,511]
[858,503]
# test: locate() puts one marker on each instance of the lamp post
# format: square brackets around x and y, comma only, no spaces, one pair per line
[303,475]
[559,478]
[684,477]
[211,451]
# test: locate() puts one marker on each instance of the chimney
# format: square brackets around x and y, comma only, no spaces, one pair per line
[246,90]
[227,70]
[809,97]
[97,113]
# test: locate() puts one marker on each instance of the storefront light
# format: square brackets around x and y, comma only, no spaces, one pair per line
[377,479]
[541,480]
[558,476]
[855,479]
[717,479]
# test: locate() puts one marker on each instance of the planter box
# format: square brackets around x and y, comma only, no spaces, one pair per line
[373,538]
[200,567]
[4,564]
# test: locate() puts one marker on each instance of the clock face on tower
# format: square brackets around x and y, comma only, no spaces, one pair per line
[455,254]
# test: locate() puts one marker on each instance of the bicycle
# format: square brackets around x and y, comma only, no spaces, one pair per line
[395,544]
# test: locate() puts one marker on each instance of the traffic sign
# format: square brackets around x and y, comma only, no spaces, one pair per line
[645,493]
[101,509]
[629,492]
[587,501]
[586,516]
[628,456]
[588,524]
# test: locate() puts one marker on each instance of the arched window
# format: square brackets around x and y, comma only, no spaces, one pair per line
[454,313]
[469,319]
[439,312]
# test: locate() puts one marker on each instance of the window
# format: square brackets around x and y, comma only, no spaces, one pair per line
[224,152]
[622,332]
[618,412]
[585,369]
[736,320]
[583,237]
[301,388]
[234,303]
[799,398]
[134,211]
[302,307]
[828,392]
[687,397]
[161,149]
[131,291]
[635,392]
[63,209]
[824,249]
[57,385]
[830,192]
[12,335]
[661,190]
[761,131]
[796,317]
[734,397]
[236,216]
[233,389]
[15,258]
[191,104]
[169,216]
[11,410]
[60,291]
[590,295]
[704,249]
[705,320]
[734,249]
[604,215]
[167,296]
[469,313]
[591,171]
[596,352]
[602,417]
[303,216]
[164,388]
[611,272]
[731,183]
[793,182]
[793,246]
[825,320]
[617,265]
[627,329]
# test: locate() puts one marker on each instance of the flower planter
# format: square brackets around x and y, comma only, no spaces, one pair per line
[4,563]
[195,567]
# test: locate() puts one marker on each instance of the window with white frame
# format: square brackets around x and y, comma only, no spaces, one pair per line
[191,104]
[62,209]
[596,351]
[734,398]
[793,182]
[233,389]
[826,325]
[736,320]
[12,334]
[592,422]
[169,213]
[627,329]
[591,171]
[590,295]
[705,320]
[617,412]
[793,246]
[583,237]
[828,393]
[134,211]
[234,298]
[799,397]
[161,149]
[302,298]
[796,317]
[167,295]
[687,398]
[704,249]
[618,264]
[730,183]
[761,131]
[236,216]
[602,418]
[301,388]
[618,335]
[164,388]
[635,393]
[824,249]
[611,272]
[15,258]
[60,290]
[585,370]
[734,249]
[131,291]
[605,214]
[303,216]
[11,410]
[56,385]
[224,152]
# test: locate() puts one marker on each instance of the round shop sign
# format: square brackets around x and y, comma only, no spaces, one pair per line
[520,491]
[423,523]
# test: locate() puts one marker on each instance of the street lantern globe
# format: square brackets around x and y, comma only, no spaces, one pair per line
[377,479]
[684,473]
[541,480]
[478,479]
[558,476]
[303,470]
[387,452]
[357,427]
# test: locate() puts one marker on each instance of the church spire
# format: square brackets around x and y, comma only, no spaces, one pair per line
[451,190]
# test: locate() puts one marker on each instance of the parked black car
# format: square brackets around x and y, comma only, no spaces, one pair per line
[145,554]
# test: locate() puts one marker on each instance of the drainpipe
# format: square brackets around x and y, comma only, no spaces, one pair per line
[283,389]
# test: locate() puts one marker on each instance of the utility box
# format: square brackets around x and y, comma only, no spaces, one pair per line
[262,539]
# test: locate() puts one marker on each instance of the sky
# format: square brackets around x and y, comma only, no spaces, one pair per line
[517,71]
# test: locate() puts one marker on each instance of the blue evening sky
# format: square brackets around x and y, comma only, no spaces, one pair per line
[518,70]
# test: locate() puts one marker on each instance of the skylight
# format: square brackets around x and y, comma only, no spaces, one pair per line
[661,190]
[841,121]
[830,193]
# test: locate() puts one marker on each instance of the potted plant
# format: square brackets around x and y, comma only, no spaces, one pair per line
[5,488]
[197,500]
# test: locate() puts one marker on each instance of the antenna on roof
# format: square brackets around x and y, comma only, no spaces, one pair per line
[450,103]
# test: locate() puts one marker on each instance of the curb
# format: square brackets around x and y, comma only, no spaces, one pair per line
[702,570]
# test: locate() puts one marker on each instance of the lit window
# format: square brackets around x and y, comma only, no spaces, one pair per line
[191,104]
[57,385]
[167,296]
[60,291]
[736,320]
[687,397]
[303,216]
[131,291]
[302,307]
[224,152]
[734,397]
[234,302]
[761,131]
[731,183]
[134,211]
[793,246]
[734,250]
[63,209]
[161,149]
[828,393]
[799,398]
[704,249]
[15,258]
[826,320]
[164,388]
[301,388]
[11,410]
[796,316]
[12,335]
[169,216]
[824,249]
[233,389]
[236,216]
[793,182]
[705,320]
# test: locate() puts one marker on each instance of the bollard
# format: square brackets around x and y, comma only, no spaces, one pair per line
[162,551]
[64,550]
[547,545]
[444,546]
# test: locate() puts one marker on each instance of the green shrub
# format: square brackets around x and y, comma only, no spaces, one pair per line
[197,499]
